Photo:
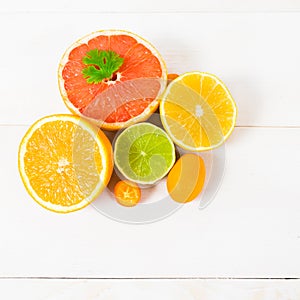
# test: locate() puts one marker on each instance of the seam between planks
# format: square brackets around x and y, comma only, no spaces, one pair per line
[287,11]
[237,126]
[142,278]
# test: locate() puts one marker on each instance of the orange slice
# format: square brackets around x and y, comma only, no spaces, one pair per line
[129,96]
[64,162]
[198,111]
[127,193]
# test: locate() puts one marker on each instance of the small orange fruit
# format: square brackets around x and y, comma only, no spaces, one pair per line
[127,193]
[186,179]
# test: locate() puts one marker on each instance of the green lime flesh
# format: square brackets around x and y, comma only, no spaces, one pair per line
[144,153]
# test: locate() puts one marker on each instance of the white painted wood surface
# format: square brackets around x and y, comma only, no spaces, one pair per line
[255,54]
[251,230]
[150,289]
[134,6]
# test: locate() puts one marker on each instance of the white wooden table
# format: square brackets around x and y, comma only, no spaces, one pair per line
[251,231]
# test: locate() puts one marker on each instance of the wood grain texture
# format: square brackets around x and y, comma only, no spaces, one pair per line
[251,229]
[134,6]
[256,55]
[149,289]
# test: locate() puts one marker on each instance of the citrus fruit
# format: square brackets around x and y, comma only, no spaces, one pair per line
[197,111]
[127,193]
[144,153]
[112,77]
[171,77]
[186,179]
[64,162]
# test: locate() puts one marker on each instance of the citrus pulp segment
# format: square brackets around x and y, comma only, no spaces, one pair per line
[64,162]
[127,193]
[198,111]
[129,96]
[144,153]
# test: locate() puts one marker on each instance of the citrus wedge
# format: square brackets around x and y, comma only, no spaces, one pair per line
[198,111]
[129,95]
[64,162]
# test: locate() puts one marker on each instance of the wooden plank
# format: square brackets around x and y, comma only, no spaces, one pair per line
[256,55]
[14,289]
[153,6]
[251,229]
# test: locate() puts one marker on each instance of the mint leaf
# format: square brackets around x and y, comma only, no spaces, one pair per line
[100,65]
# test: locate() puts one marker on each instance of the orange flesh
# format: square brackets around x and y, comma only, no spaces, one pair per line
[172,76]
[127,193]
[139,62]
[62,165]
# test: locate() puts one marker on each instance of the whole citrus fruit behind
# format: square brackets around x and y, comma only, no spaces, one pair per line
[198,111]
[126,97]
[64,162]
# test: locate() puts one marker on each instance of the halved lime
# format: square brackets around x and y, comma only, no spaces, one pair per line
[144,153]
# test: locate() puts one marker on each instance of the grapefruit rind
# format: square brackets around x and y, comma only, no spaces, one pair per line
[152,107]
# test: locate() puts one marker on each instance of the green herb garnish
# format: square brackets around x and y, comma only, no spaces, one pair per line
[100,65]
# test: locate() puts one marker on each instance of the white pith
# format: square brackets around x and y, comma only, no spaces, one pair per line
[151,107]
[63,162]
[165,123]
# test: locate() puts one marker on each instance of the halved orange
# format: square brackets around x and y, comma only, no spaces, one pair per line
[129,96]
[197,111]
[65,162]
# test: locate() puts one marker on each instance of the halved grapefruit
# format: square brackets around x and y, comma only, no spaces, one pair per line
[128,94]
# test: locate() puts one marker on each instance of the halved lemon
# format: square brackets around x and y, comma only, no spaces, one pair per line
[198,111]
[64,162]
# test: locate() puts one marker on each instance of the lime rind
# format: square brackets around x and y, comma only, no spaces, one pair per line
[144,153]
